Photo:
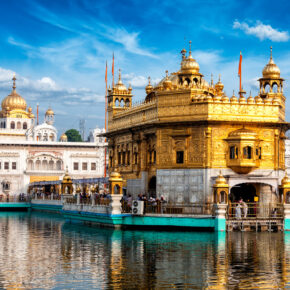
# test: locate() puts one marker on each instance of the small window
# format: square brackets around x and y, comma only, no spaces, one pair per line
[93,166]
[14,165]
[135,157]
[76,166]
[24,125]
[12,125]
[85,166]
[232,152]
[259,152]
[124,158]
[119,158]
[154,156]
[179,157]
[128,157]
[6,165]
[247,152]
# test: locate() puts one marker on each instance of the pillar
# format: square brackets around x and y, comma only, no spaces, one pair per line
[284,190]
[221,192]
[116,188]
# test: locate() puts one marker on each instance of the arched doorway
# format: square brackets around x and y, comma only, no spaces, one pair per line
[245,191]
[152,186]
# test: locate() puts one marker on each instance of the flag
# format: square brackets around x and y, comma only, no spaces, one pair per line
[106,77]
[113,71]
[240,71]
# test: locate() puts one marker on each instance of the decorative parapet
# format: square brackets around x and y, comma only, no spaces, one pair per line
[141,114]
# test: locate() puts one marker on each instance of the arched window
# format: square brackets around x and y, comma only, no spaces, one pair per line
[44,165]
[267,88]
[4,125]
[51,165]
[122,103]
[117,103]
[12,125]
[58,165]
[30,165]
[127,103]
[51,137]
[247,152]
[37,165]
[234,152]
[275,88]
[288,197]
[223,197]
[18,125]
[45,137]
[24,125]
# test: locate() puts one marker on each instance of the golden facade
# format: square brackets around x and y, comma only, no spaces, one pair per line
[187,125]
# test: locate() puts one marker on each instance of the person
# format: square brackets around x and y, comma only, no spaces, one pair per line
[163,202]
[238,211]
[129,201]
[244,207]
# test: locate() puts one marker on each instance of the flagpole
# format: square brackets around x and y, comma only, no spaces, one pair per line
[113,83]
[240,74]
[106,100]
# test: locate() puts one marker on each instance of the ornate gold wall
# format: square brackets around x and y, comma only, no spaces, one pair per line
[184,118]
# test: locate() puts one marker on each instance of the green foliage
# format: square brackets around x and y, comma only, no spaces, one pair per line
[73,135]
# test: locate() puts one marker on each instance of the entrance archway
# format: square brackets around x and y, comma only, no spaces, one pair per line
[152,186]
[245,191]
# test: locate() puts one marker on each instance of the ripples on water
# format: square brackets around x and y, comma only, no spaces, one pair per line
[43,251]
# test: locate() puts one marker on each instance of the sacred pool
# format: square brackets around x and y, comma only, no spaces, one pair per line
[44,251]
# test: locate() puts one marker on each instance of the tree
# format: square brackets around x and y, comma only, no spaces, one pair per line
[73,135]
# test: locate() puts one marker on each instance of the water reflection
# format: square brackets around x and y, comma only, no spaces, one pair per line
[43,251]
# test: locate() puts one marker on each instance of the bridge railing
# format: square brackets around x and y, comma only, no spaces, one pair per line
[14,199]
[255,211]
[159,207]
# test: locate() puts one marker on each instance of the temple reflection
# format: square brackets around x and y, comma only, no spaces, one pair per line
[40,250]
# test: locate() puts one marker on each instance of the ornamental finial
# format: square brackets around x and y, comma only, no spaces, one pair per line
[166,74]
[149,80]
[14,83]
[119,74]
[190,47]
[271,52]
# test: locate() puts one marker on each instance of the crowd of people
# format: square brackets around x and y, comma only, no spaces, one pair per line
[151,204]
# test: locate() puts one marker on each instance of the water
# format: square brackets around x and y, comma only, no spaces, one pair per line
[42,251]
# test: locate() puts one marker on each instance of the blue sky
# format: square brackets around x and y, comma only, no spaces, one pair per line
[58,49]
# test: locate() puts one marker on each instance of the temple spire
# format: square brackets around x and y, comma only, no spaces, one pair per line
[14,83]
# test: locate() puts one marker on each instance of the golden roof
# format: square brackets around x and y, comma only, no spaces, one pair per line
[221,181]
[149,87]
[189,64]
[285,181]
[13,101]
[120,86]
[63,137]
[243,133]
[271,70]
[49,112]
[66,178]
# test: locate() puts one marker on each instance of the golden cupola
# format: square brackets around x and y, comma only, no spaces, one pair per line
[120,86]
[189,64]
[13,101]
[271,70]
[149,87]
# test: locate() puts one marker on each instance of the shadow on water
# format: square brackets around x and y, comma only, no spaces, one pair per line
[56,254]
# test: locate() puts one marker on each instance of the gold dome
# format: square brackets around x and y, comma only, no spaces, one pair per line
[243,133]
[29,110]
[120,86]
[189,64]
[13,101]
[221,181]
[49,112]
[66,178]
[167,82]
[285,181]
[219,86]
[271,70]
[234,99]
[63,137]
[149,87]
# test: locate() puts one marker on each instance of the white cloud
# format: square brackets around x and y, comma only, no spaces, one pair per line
[262,31]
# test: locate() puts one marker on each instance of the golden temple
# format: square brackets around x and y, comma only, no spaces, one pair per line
[175,142]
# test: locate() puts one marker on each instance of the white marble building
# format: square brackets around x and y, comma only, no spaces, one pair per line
[30,152]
